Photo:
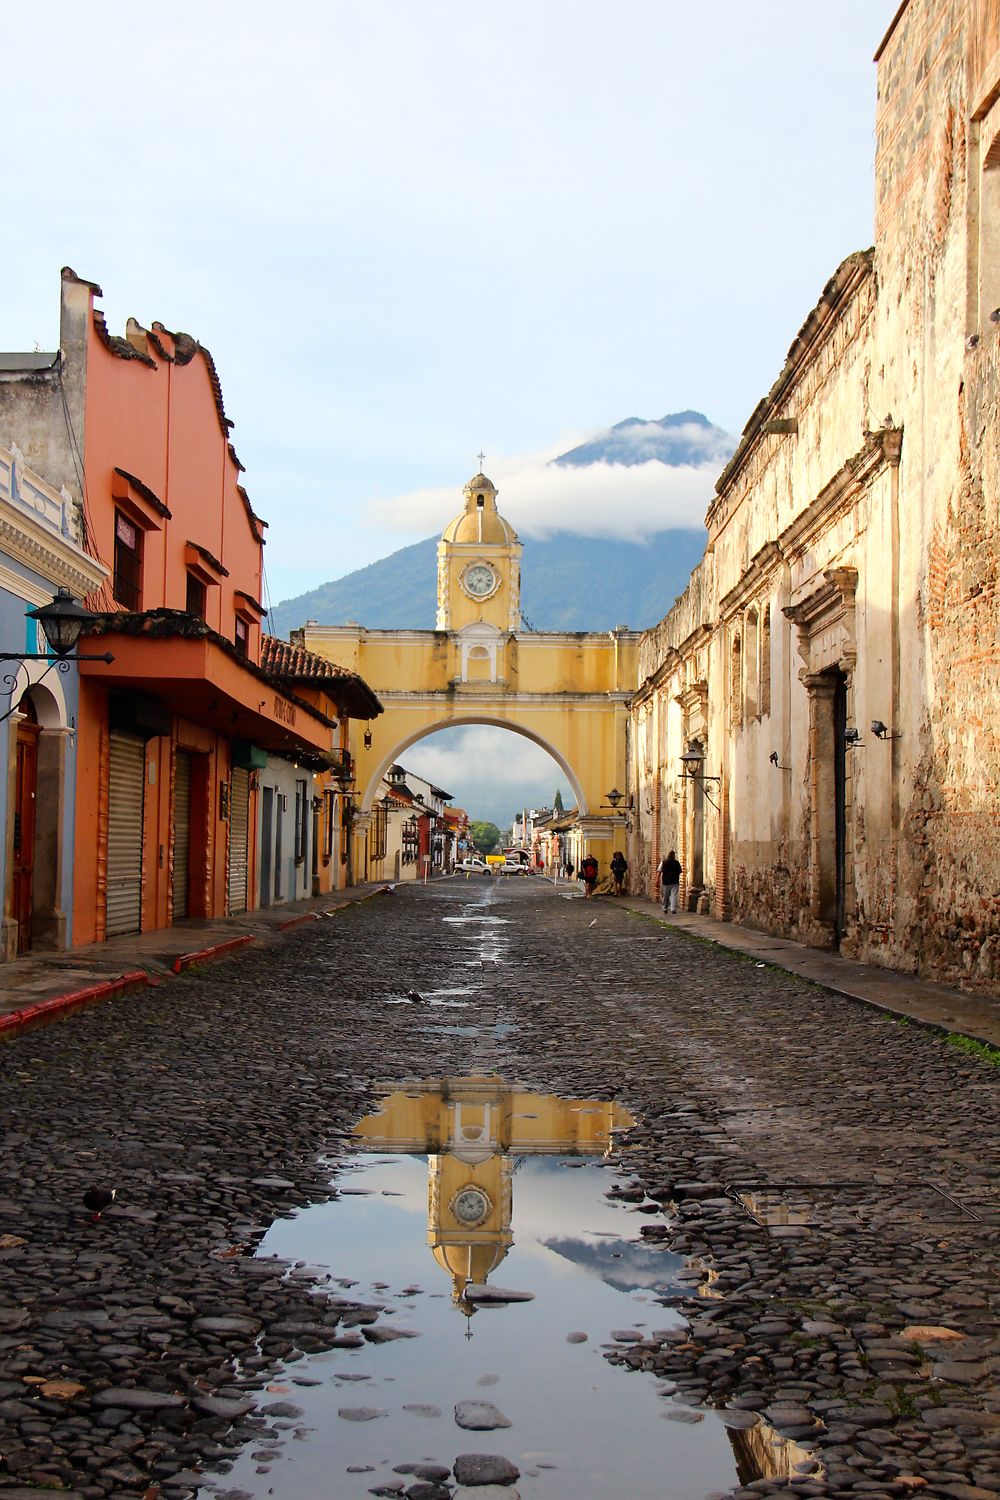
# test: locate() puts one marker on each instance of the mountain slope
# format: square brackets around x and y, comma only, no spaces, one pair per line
[567,583]
[683,437]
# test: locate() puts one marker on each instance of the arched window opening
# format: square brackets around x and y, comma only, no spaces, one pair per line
[736,680]
[752,665]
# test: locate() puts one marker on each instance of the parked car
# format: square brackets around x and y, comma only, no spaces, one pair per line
[514,867]
[472,866]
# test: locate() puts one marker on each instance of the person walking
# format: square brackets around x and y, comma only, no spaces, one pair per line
[588,874]
[619,869]
[668,879]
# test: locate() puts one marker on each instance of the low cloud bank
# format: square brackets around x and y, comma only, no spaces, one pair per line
[539,498]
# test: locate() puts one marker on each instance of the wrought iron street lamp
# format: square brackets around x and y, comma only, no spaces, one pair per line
[62,621]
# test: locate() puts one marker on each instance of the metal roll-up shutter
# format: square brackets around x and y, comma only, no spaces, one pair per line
[239,827]
[182,833]
[126,788]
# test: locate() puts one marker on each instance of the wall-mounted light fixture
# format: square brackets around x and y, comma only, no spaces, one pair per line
[614,798]
[693,769]
[773,758]
[883,732]
[852,739]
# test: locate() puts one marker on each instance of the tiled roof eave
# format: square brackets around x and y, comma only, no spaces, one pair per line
[168,624]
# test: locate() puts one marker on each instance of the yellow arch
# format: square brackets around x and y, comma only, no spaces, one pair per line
[454,720]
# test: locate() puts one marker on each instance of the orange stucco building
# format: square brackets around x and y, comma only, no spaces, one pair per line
[194,728]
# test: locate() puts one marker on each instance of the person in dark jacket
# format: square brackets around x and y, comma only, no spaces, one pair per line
[619,869]
[668,879]
[588,874]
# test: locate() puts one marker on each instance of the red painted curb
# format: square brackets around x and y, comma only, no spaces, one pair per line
[44,1011]
[204,955]
[290,922]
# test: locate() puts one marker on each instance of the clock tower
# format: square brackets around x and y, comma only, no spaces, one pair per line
[479,565]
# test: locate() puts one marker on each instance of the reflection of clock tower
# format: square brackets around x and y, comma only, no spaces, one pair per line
[479,565]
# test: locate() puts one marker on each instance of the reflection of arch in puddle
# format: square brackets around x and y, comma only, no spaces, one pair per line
[472,1131]
[762,1453]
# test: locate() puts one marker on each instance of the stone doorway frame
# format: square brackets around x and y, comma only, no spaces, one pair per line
[693,702]
[825,621]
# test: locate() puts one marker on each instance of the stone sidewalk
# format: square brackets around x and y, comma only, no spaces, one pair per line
[101,970]
[935,1005]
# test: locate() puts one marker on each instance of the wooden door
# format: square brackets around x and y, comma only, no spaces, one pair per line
[25,787]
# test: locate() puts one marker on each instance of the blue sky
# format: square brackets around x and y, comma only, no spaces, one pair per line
[408,232]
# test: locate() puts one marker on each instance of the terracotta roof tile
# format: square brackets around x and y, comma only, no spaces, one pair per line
[281,660]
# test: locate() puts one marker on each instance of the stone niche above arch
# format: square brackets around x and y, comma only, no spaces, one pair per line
[826,624]
[480,646]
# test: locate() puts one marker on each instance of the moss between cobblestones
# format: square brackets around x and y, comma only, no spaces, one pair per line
[980,1050]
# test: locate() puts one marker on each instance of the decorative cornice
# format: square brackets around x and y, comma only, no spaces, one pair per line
[843,284]
[34,546]
[669,663]
[833,600]
[694,699]
[762,565]
[882,449]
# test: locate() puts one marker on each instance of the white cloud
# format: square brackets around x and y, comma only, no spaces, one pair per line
[490,772]
[539,497]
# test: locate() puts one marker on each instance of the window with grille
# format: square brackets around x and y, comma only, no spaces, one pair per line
[301,821]
[196,596]
[127,582]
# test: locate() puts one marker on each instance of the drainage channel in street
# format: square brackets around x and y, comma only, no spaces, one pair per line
[481,1272]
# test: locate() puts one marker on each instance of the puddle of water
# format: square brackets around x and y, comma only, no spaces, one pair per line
[762,1453]
[480,920]
[434,997]
[477,1191]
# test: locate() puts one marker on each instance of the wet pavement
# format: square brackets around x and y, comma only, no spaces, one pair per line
[786,1269]
[153,957]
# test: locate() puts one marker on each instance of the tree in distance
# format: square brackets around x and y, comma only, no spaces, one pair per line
[485,836]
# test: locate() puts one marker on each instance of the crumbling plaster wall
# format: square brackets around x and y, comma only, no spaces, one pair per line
[893,474]
[784,518]
[939,369]
[42,411]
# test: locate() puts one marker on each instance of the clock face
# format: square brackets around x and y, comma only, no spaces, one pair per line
[471,1206]
[479,580]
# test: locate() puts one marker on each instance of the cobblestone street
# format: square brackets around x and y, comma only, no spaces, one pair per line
[832,1174]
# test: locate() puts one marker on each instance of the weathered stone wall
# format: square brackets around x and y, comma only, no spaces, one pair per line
[935,74]
[851,569]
